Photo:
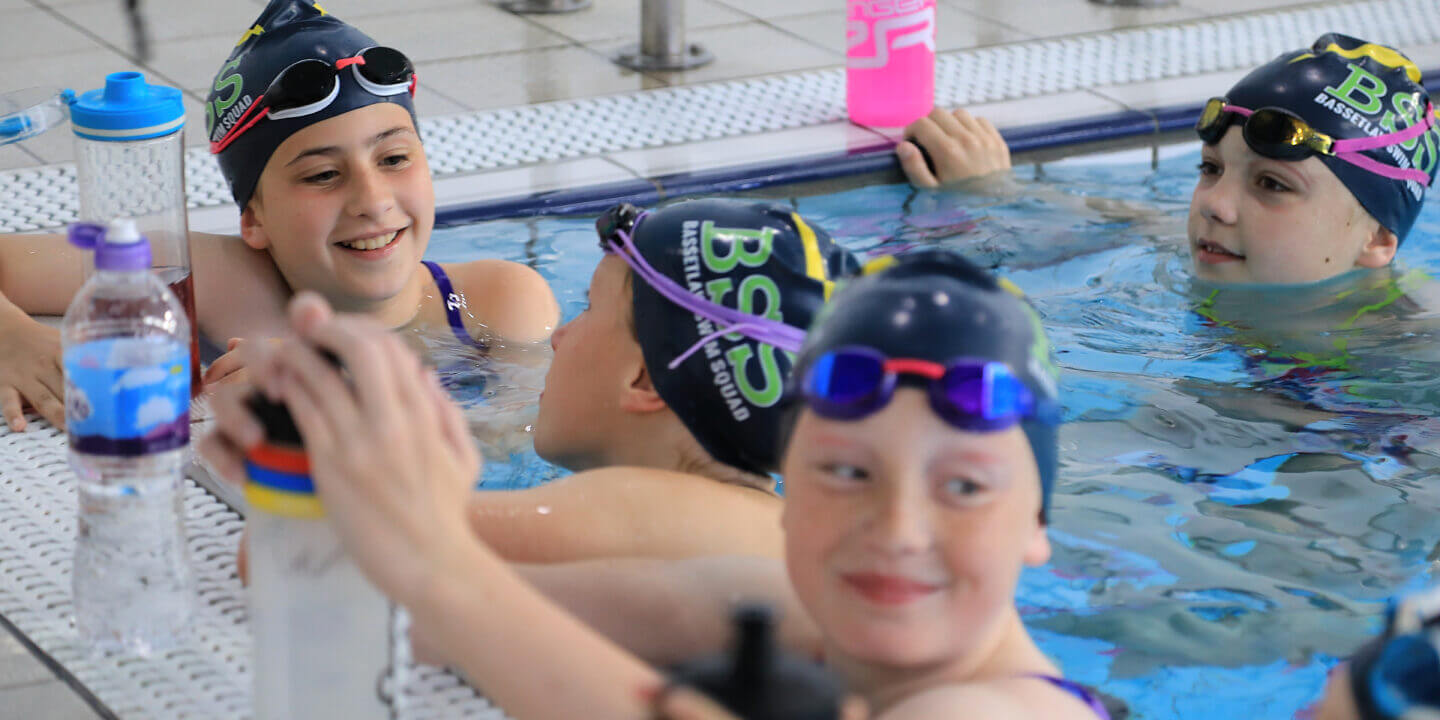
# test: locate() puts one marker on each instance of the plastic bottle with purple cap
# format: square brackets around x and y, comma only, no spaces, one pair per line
[125,341]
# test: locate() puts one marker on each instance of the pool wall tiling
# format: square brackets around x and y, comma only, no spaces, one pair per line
[574,156]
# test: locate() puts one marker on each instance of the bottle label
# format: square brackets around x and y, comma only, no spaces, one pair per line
[127,396]
[876,29]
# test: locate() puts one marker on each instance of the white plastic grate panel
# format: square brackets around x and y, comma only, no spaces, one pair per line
[207,678]
[39,198]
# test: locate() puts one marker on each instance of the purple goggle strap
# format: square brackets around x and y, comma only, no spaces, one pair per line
[782,336]
[1349,150]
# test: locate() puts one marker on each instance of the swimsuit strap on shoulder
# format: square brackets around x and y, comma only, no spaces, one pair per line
[1081,693]
[454,303]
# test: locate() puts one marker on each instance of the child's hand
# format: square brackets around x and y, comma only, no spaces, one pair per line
[30,371]
[960,145]
[389,452]
[228,368]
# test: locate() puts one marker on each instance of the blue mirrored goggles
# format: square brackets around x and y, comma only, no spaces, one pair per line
[971,394]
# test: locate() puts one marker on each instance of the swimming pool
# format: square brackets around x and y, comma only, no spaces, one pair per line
[1243,472]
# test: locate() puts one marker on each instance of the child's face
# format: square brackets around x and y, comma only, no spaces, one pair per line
[596,357]
[332,193]
[1257,220]
[904,536]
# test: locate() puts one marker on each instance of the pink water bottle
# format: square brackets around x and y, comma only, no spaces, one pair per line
[890,61]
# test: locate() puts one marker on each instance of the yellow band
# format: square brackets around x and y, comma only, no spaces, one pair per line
[279,502]
[814,263]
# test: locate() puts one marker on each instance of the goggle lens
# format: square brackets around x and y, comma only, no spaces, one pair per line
[1278,135]
[385,66]
[845,378]
[301,84]
[974,395]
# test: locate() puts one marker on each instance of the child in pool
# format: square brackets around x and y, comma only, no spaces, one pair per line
[314,129]
[669,423]
[1276,201]
[920,455]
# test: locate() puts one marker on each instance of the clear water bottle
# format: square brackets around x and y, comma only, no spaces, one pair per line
[130,162]
[323,633]
[889,61]
[127,411]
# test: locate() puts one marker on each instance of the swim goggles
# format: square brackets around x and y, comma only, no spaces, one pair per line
[616,228]
[977,395]
[309,86]
[1279,134]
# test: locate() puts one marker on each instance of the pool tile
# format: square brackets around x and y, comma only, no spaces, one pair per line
[833,138]
[1237,7]
[191,62]
[50,700]
[1047,18]
[521,78]
[355,9]
[30,34]
[745,50]
[17,665]
[430,102]
[12,157]
[1176,91]
[611,20]
[83,70]
[165,19]
[458,32]
[772,9]
[827,30]
[518,182]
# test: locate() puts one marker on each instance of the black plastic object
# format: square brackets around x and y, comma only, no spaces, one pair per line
[275,417]
[756,681]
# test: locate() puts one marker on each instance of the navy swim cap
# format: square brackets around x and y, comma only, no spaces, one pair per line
[287,32]
[935,305]
[1348,88]
[759,258]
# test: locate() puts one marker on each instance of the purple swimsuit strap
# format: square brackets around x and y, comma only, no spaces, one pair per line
[1081,693]
[454,303]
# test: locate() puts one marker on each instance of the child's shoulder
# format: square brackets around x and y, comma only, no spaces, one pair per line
[504,299]
[1019,697]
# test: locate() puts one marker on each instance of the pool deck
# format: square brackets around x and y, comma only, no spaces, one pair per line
[472,56]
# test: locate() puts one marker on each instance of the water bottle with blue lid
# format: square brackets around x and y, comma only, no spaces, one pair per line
[129,162]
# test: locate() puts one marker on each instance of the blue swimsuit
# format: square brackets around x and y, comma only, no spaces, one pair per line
[454,303]
[1082,693]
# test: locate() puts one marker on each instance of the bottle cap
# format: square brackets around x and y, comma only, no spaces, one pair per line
[127,108]
[118,247]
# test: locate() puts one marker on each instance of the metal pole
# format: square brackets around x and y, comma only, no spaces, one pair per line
[662,40]
[544,7]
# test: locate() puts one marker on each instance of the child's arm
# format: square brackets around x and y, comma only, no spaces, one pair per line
[393,463]
[628,512]
[668,611]
[238,290]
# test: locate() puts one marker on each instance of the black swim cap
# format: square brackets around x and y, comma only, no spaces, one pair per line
[759,258]
[1348,88]
[287,32]
[935,305]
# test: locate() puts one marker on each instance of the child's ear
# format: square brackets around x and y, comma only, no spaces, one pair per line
[1037,552]
[252,230]
[639,395]
[1379,248]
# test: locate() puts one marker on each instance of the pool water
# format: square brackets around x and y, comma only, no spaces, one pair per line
[1244,472]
